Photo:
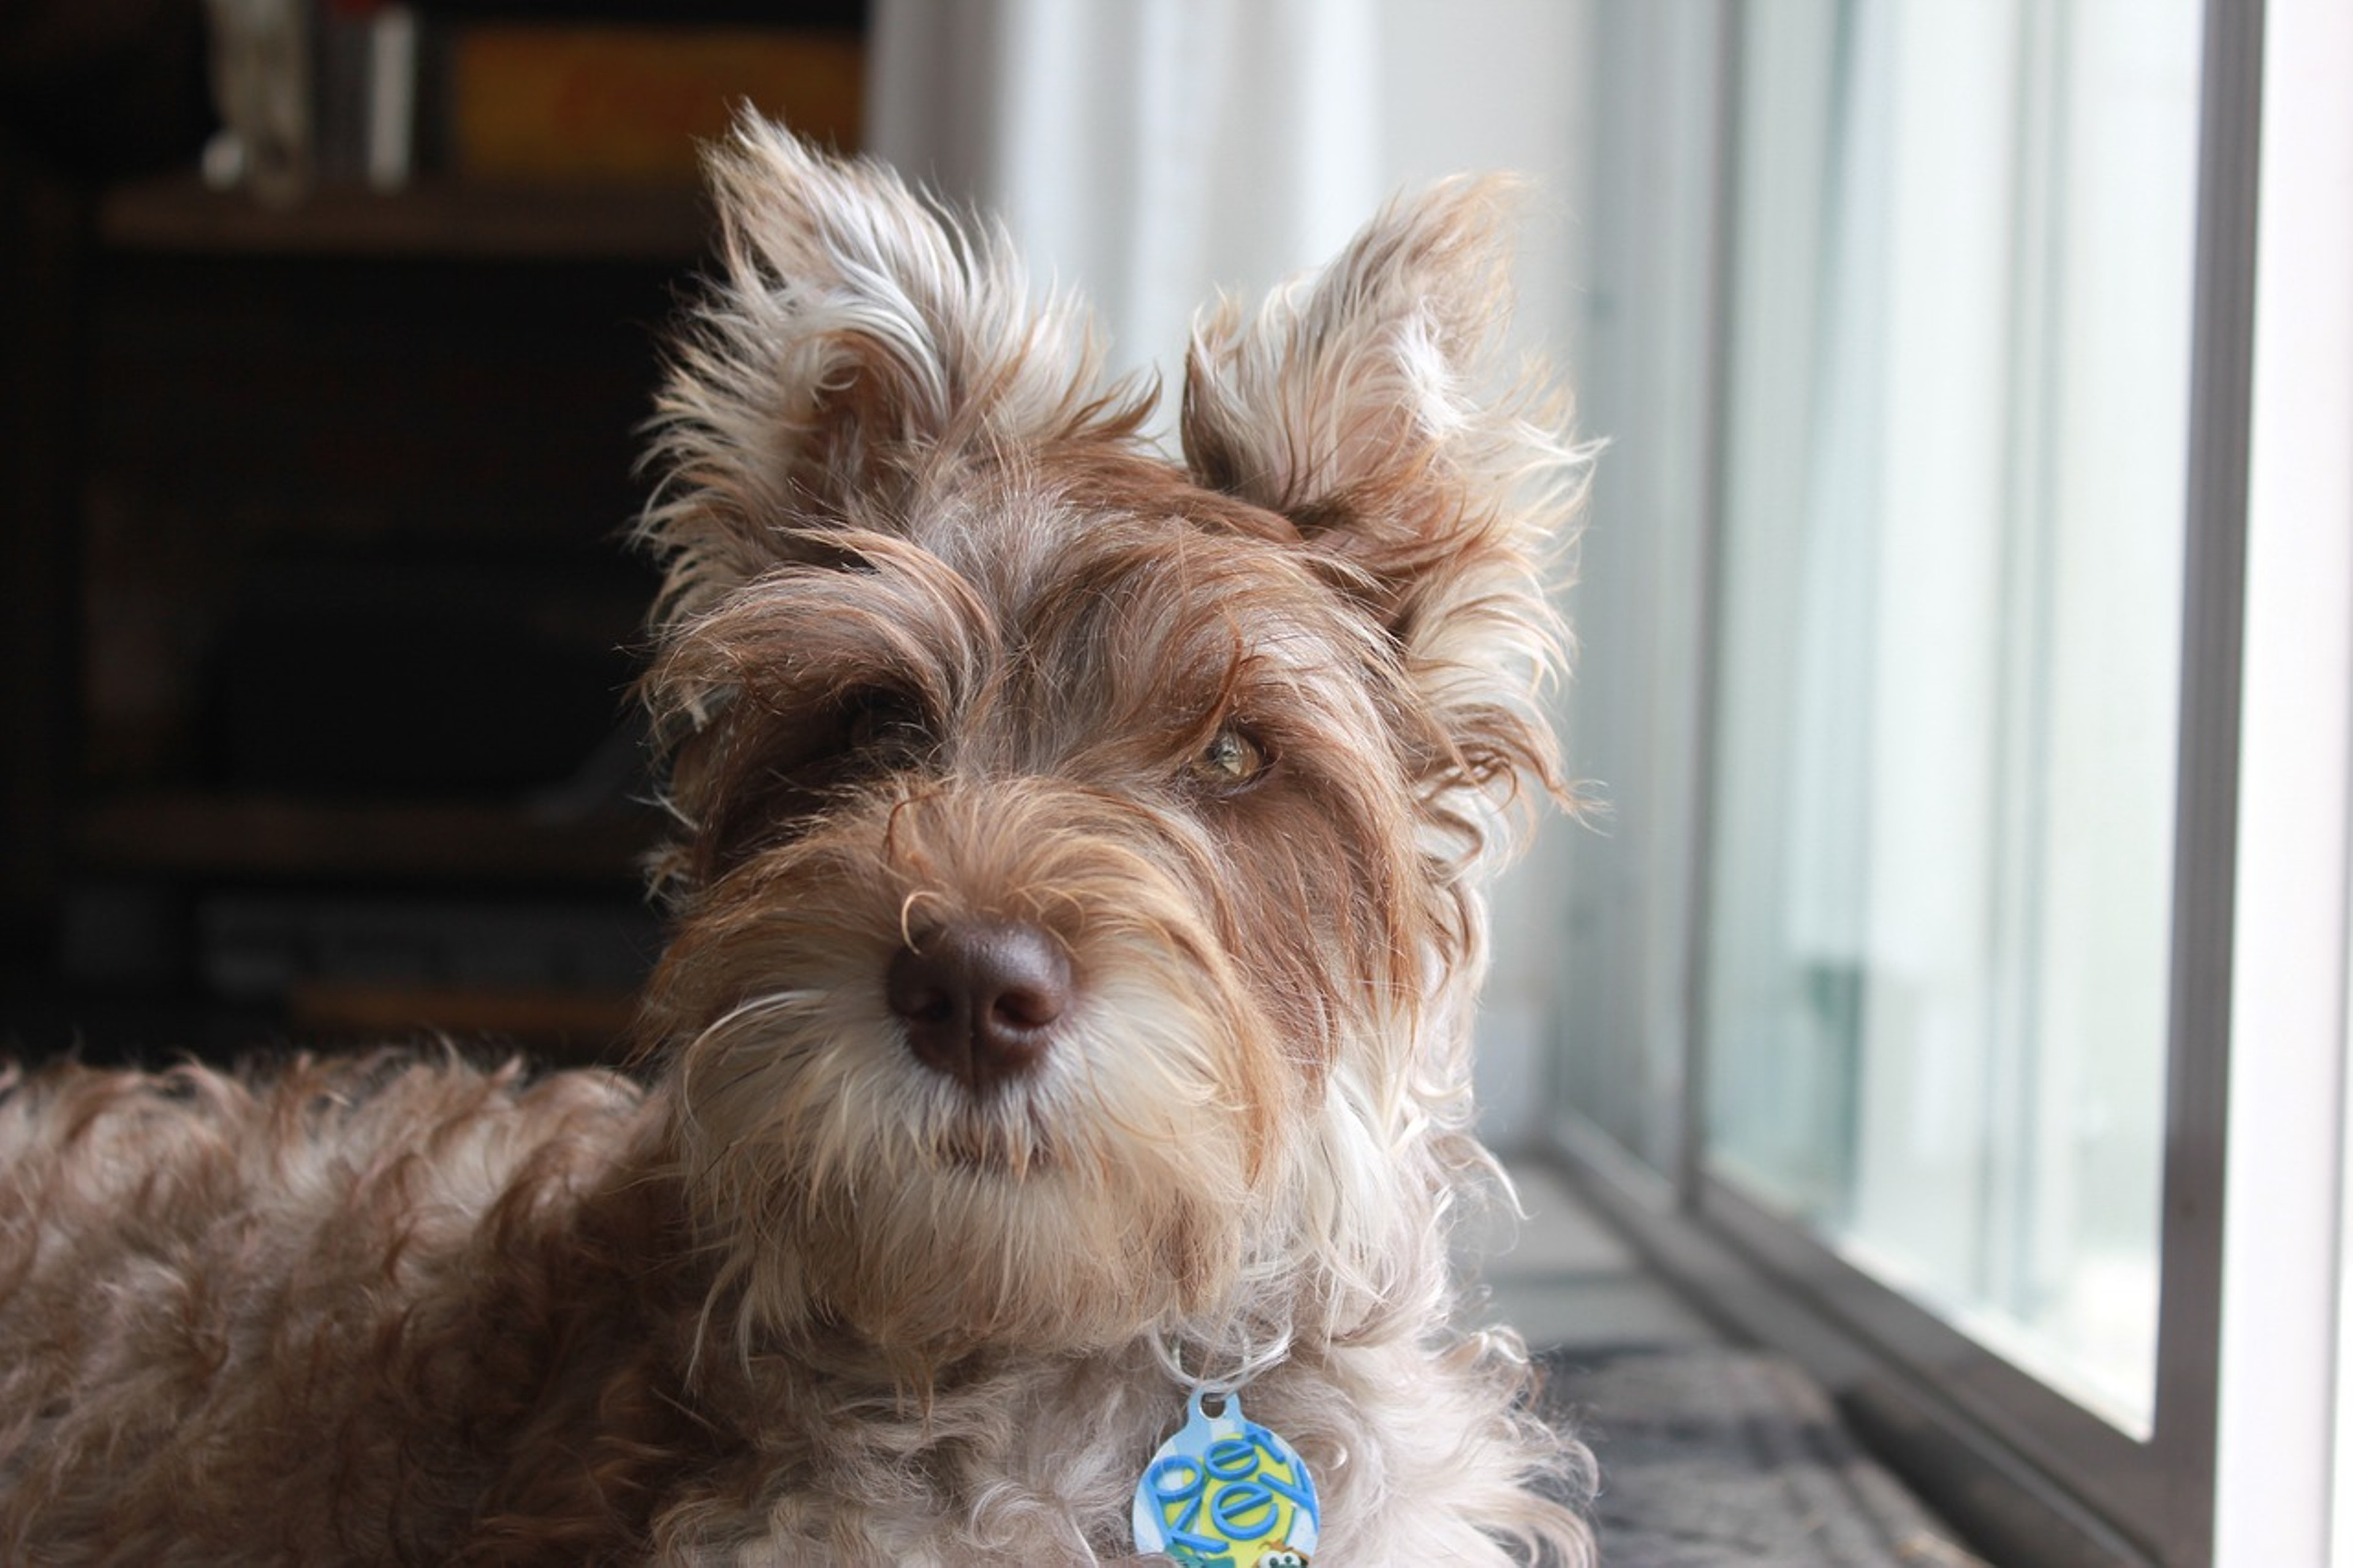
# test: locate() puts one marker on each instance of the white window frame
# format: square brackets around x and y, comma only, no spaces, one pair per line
[2284,1463]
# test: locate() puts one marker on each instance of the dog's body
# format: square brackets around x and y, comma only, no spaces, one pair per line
[1077,924]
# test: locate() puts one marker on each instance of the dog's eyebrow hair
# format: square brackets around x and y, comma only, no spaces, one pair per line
[900,609]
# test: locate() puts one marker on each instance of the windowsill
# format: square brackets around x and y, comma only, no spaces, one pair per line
[1711,1454]
[1569,1282]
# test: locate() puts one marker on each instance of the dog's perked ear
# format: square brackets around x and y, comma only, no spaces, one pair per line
[1362,401]
[1369,404]
[851,336]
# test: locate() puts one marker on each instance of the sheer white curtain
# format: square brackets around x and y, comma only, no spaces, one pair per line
[1148,151]
[1151,152]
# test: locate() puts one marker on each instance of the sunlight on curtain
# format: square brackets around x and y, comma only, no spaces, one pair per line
[1937,993]
[1147,152]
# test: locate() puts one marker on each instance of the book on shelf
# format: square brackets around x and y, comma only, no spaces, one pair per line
[346,94]
[625,103]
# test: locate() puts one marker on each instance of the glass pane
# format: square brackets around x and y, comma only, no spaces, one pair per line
[1642,372]
[1939,960]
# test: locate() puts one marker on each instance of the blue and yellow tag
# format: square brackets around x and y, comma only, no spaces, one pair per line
[1225,1492]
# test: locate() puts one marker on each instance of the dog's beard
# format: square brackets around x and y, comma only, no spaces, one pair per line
[850,1187]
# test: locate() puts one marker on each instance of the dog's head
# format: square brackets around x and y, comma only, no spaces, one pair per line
[1076,882]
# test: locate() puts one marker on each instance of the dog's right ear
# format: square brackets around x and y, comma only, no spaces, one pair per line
[853,334]
[1370,405]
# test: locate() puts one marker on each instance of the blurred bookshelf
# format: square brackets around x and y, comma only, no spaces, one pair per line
[320,723]
[432,216]
[240,836]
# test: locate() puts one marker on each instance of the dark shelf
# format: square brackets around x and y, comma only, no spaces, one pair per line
[193,834]
[431,220]
[568,1025]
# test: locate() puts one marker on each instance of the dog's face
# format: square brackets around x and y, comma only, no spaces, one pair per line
[1076,881]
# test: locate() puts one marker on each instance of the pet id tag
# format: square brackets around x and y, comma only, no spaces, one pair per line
[1225,1492]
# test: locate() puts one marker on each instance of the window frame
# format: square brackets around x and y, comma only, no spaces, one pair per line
[2074,1487]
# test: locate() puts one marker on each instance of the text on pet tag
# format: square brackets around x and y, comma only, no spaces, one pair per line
[1226,1492]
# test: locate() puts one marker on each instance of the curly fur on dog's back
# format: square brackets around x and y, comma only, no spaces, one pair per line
[236,1301]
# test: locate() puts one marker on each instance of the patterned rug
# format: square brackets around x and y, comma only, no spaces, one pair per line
[1713,1456]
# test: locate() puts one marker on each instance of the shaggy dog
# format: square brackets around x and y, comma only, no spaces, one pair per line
[1062,1041]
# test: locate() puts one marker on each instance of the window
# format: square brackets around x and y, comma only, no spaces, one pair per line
[1898,968]
[1948,659]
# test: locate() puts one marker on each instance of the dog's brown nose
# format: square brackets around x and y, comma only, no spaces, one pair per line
[979,999]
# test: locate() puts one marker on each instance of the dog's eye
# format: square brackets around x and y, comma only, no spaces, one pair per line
[1231,761]
[883,723]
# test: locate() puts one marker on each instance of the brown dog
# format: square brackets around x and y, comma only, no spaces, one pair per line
[1077,921]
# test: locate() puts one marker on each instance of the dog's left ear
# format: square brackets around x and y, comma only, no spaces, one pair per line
[1364,404]
[853,334]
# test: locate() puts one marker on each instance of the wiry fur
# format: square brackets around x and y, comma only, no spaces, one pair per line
[943,642]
